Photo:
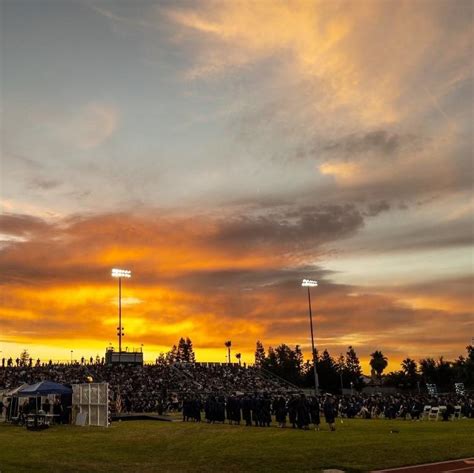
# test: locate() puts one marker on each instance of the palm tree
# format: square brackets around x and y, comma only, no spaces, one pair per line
[409,367]
[228,344]
[410,370]
[378,362]
[238,356]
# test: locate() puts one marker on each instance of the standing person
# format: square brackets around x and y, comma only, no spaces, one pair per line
[314,412]
[266,410]
[220,409]
[58,411]
[237,402]
[198,407]
[255,410]
[247,410]
[8,408]
[330,412]
[292,410]
[302,409]
[279,407]
[229,407]
[208,409]
[46,406]
[186,409]
[259,412]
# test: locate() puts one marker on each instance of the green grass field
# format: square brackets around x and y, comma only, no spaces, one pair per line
[150,446]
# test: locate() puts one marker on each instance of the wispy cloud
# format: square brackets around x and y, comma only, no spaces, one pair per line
[93,124]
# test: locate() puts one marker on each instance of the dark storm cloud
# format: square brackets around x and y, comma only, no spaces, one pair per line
[72,249]
[378,141]
[249,279]
[375,208]
[20,224]
[316,224]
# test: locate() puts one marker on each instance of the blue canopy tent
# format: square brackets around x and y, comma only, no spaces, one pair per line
[44,388]
[38,390]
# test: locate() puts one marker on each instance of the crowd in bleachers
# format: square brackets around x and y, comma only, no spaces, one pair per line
[145,388]
[226,392]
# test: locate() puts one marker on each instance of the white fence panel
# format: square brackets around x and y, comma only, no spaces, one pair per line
[90,404]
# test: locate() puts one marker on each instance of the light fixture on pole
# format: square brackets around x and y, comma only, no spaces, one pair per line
[311,283]
[228,344]
[120,273]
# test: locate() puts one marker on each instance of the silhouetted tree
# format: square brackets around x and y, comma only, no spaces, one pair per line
[285,362]
[353,368]
[409,367]
[341,367]
[24,359]
[185,352]
[182,351]
[259,354]
[428,370]
[172,355]
[378,362]
[464,368]
[327,371]
[190,350]
[228,344]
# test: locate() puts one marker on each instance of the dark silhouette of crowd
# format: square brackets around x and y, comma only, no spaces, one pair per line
[259,409]
[228,392]
[148,388]
[300,411]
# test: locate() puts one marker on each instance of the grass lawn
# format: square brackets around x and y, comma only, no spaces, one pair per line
[151,446]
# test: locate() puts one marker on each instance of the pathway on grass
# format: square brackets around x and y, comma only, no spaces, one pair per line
[454,466]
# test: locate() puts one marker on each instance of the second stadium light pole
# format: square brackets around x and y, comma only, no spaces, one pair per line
[120,273]
[309,283]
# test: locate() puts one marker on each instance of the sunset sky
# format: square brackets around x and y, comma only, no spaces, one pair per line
[222,151]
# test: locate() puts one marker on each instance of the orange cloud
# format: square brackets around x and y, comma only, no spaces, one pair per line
[192,279]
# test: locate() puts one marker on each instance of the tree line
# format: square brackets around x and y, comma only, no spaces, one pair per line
[288,363]
[345,372]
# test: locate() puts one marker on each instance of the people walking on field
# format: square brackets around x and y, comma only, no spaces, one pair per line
[330,412]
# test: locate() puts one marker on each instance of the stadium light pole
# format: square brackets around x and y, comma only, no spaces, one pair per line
[309,283]
[120,273]
[228,344]
[340,376]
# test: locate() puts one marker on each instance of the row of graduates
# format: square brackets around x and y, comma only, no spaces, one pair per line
[301,411]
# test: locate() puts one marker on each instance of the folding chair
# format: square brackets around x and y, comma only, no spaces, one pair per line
[457,413]
[426,412]
[441,411]
[434,412]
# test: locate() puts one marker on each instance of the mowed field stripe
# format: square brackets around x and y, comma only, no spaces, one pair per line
[465,465]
